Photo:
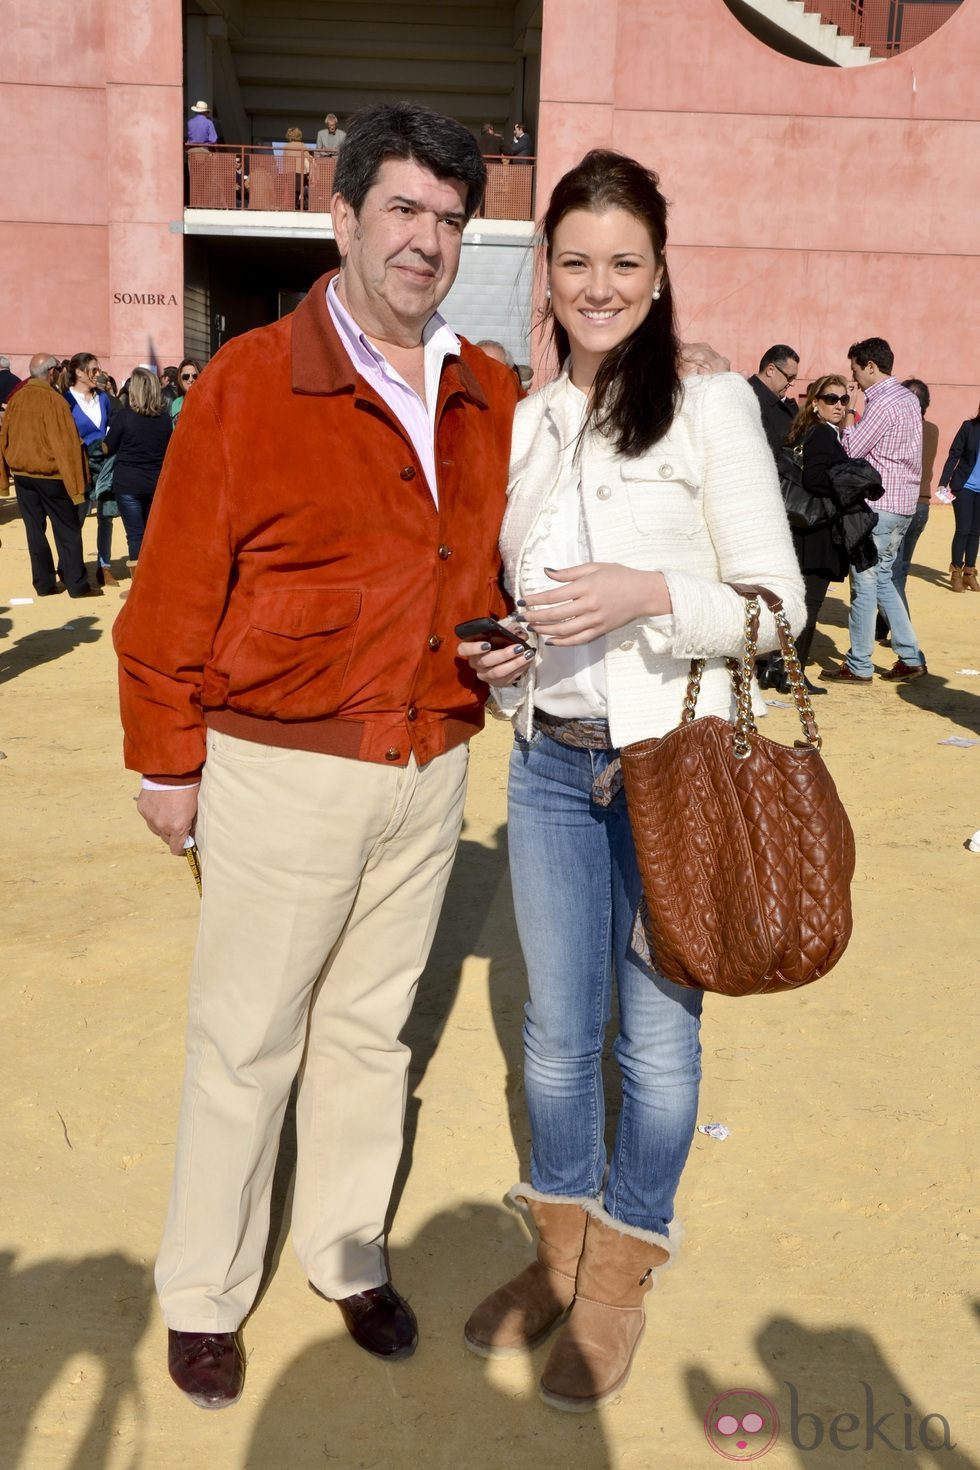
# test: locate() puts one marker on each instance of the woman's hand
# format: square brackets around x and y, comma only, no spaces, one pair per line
[595,598]
[497,667]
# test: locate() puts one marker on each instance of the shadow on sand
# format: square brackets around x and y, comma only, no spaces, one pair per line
[54,1311]
[834,1391]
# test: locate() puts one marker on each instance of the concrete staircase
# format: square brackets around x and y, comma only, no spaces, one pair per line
[788,26]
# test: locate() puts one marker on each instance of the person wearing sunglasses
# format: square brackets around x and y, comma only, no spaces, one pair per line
[822,552]
[187,375]
[777,374]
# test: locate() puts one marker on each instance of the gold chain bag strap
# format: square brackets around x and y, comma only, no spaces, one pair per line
[744,847]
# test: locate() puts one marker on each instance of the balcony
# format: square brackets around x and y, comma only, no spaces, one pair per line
[258,178]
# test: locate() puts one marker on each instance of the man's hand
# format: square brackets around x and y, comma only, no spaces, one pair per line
[169,814]
[595,598]
[699,357]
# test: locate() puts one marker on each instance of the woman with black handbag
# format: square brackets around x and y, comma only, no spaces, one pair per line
[820,546]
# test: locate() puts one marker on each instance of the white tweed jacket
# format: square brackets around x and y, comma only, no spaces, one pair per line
[702,506]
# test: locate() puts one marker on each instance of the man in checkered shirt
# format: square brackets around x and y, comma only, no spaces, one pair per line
[889,436]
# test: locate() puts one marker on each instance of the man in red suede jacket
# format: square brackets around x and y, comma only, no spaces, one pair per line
[328,511]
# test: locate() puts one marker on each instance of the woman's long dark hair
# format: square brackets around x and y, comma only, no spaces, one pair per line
[637,387]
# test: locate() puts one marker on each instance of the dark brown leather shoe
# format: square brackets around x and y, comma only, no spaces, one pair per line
[208,1366]
[844,674]
[381,1322]
[903,671]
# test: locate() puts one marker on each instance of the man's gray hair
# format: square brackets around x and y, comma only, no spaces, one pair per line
[486,342]
[4,362]
[42,368]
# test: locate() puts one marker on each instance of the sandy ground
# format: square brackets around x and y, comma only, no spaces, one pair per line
[831,1239]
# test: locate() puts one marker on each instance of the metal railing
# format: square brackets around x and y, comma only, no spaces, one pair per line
[888,27]
[258,176]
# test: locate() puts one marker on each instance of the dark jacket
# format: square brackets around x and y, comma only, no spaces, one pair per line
[962,455]
[521,148]
[777,414]
[845,541]
[8,380]
[139,443]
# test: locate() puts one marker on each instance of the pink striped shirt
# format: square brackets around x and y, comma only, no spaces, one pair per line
[889,436]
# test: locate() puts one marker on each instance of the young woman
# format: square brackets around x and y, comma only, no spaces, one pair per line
[187,375]
[138,437]
[91,410]
[961,475]
[634,497]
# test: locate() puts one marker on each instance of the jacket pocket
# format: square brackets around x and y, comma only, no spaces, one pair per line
[664,493]
[294,656]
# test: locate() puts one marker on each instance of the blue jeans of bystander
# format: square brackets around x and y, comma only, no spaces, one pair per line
[875,588]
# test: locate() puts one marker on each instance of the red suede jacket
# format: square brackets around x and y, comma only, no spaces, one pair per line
[297,585]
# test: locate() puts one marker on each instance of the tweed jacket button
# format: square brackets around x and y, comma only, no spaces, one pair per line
[665,471]
[392,754]
[408,473]
[629,643]
[603,492]
[435,642]
[445,552]
[412,712]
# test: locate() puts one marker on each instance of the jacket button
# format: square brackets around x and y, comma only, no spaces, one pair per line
[665,471]
[408,473]
[627,645]
[392,754]
[412,712]
[445,552]
[603,492]
[435,642]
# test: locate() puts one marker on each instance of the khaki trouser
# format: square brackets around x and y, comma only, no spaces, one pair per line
[323,881]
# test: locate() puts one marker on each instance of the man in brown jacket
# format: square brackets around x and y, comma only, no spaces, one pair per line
[328,511]
[41,452]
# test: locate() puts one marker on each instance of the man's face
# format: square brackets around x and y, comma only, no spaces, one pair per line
[331,124]
[863,376]
[401,250]
[781,375]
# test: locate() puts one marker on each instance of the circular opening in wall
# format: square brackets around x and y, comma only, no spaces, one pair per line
[842,32]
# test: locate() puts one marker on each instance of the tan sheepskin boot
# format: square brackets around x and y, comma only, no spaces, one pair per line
[522,1312]
[970,579]
[956,579]
[590,1362]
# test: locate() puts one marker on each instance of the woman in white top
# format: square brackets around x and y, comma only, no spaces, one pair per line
[634,496]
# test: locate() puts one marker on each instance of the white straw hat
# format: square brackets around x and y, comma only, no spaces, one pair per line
[199,107]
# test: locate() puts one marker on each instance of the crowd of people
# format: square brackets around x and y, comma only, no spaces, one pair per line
[73,445]
[315,743]
[858,439]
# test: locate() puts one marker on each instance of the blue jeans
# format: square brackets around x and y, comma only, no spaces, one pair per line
[875,589]
[134,509]
[576,890]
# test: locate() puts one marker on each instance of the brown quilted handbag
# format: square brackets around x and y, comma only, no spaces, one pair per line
[744,847]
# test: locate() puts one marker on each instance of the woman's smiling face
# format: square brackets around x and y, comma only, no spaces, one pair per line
[603,271]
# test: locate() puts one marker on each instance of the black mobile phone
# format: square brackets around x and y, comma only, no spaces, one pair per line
[488,630]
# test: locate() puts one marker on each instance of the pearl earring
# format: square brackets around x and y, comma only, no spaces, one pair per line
[656,293]
[547,292]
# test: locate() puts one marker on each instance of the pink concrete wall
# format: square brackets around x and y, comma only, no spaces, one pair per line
[811,205]
[92,180]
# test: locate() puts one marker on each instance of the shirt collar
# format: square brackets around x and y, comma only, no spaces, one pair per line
[436,333]
[876,388]
[321,364]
